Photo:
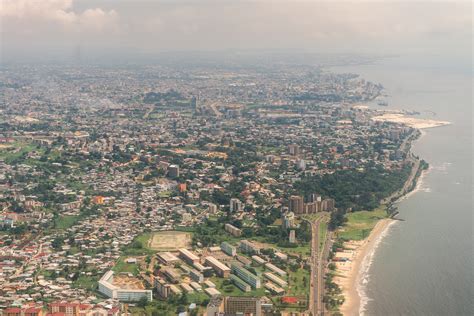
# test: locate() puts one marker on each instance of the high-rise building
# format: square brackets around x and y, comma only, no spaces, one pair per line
[239,305]
[301,164]
[212,208]
[312,207]
[292,238]
[314,198]
[293,149]
[231,229]
[288,220]
[296,204]
[235,305]
[235,205]
[173,171]
[328,205]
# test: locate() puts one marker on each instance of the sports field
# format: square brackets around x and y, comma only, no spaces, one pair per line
[169,240]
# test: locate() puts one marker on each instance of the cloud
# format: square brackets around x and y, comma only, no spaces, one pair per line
[60,12]
[210,25]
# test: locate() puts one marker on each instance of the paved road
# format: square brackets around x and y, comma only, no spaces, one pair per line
[318,264]
[407,186]
[416,165]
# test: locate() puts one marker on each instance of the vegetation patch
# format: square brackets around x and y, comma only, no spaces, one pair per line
[360,224]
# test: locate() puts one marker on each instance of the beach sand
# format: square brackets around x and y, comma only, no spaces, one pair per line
[409,121]
[349,272]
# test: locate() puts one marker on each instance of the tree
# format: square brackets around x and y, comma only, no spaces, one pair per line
[57,243]
[142,302]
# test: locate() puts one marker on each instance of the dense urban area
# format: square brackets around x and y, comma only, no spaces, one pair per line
[192,190]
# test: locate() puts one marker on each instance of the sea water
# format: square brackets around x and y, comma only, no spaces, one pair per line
[424,264]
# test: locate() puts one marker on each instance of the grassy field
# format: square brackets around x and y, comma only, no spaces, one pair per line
[15,150]
[139,246]
[64,222]
[122,266]
[312,217]
[304,250]
[164,194]
[298,282]
[323,228]
[86,282]
[360,224]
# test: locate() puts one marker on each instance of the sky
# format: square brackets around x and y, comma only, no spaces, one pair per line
[36,29]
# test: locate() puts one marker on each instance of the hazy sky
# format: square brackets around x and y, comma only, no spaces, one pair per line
[52,28]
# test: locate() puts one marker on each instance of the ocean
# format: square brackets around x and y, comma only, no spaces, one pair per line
[424,264]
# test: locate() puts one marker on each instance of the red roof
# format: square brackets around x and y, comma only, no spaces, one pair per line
[289,299]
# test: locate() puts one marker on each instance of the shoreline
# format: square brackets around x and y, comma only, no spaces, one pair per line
[417,123]
[352,275]
[351,279]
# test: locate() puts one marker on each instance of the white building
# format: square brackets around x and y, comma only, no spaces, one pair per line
[109,289]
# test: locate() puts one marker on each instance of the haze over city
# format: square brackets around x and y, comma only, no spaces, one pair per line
[59,28]
[236,158]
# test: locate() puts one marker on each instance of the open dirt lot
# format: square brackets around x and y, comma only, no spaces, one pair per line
[170,240]
[126,282]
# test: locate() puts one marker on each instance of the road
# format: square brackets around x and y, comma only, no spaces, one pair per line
[410,158]
[318,266]
[408,184]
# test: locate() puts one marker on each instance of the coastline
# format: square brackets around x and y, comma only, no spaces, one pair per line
[352,275]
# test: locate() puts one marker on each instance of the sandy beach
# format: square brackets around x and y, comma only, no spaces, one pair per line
[409,121]
[349,272]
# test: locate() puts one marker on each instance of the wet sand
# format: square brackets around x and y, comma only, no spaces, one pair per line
[349,273]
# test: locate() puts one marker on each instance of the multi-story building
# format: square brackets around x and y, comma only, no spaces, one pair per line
[292,236]
[231,229]
[275,269]
[173,171]
[246,276]
[212,208]
[167,258]
[221,269]
[293,149]
[196,276]
[240,283]
[328,205]
[68,308]
[270,276]
[228,249]
[248,247]
[273,288]
[288,220]
[215,307]
[188,256]
[121,293]
[235,305]
[258,260]
[296,204]
[22,311]
[236,205]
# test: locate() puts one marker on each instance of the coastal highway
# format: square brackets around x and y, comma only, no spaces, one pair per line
[410,158]
[408,184]
[318,259]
